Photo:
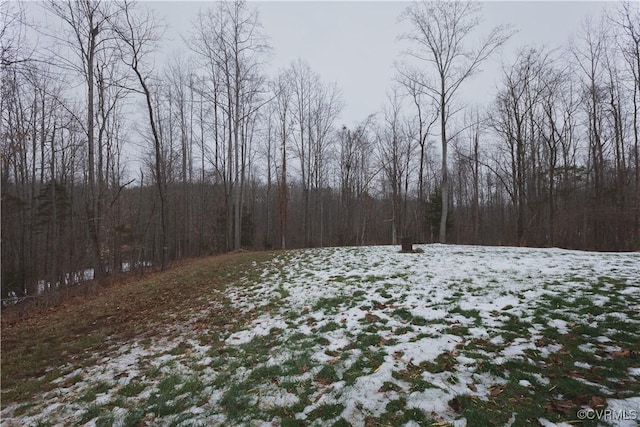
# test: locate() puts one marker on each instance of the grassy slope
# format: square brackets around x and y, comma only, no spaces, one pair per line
[79,328]
[53,345]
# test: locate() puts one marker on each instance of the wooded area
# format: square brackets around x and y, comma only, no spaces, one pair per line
[234,158]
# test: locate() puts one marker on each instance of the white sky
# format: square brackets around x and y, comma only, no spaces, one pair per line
[355,43]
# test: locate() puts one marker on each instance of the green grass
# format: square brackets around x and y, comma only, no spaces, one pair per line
[365,364]
[319,352]
[132,388]
[92,412]
[327,411]
[329,305]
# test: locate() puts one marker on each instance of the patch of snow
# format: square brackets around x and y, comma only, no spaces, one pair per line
[600,387]
[480,303]
[430,313]
[205,361]
[365,394]
[546,423]
[625,412]
[425,349]
[432,400]
[102,399]
[270,399]
[599,300]
[466,360]
[517,348]
[540,379]
[560,325]
[550,349]
[497,340]
[259,328]
[620,316]
[588,347]
[479,332]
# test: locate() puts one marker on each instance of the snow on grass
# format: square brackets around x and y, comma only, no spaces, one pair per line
[260,327]
[457,334]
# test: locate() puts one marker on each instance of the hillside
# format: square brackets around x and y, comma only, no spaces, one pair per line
[457,335]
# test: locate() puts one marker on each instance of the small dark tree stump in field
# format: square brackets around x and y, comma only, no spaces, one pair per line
[407,244]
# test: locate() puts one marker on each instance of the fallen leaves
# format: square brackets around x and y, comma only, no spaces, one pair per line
[623,354]
[495,390]
[597,402]
[563,407]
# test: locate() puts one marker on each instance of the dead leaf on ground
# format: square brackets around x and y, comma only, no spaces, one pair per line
[560,406]
[597,402]
[622,354]
[496,390]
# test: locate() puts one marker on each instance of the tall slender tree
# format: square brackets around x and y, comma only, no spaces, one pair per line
[90,38]
[229,41]
[440,36]
[139,34]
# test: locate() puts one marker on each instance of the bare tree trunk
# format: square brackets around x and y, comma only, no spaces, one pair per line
[93,214]
[284,197]
[475,208]
[444,183]
[439,30]
[138,33]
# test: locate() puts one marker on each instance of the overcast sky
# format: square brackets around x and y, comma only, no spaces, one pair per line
[355,43]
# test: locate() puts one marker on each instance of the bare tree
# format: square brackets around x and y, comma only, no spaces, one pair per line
[395,152]
[471,162]
[139,35]
[589,54]
[13,27]
[556,128]
[426,118]
[89,37]
[626,19]
[304,83]
[229,42]
[178,75]
[282,109]
[327,107]
[441,30]
[512,119]
[315,106]
[357,169]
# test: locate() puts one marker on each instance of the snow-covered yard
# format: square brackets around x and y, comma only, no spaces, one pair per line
[457,335]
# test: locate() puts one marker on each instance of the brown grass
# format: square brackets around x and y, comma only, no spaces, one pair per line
[36,343]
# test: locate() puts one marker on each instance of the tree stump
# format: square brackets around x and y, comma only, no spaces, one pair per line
[407,244]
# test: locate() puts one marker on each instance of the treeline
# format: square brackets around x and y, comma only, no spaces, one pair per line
[232,158]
